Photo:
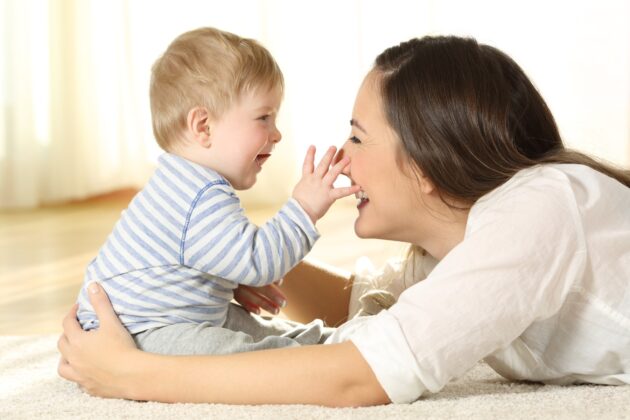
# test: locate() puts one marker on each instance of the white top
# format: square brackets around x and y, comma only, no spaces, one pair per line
[539,288]
[184,244]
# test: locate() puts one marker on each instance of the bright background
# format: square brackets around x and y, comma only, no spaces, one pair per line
[74,75]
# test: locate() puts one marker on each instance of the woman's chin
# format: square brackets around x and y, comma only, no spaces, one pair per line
[362,231]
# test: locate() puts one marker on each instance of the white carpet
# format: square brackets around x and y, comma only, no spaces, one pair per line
[31,389]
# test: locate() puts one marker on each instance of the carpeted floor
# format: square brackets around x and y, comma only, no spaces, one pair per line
[31,389]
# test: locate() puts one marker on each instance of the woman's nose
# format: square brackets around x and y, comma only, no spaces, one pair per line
[341,153]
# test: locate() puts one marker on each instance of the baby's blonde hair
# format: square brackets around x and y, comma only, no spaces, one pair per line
[208,68]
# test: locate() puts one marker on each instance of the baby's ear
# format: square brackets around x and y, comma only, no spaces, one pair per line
[198,126]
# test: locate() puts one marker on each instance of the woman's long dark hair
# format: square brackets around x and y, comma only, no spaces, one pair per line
[468,117]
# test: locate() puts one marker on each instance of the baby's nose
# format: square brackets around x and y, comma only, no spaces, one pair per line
[276,136]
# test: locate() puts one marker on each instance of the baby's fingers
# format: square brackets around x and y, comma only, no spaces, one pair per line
[309,159]
[324,164]
[341,192]
[334,172]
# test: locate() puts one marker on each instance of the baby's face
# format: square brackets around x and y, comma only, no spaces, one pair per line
[243,138]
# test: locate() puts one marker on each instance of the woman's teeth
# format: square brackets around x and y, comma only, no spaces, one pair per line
[361,197]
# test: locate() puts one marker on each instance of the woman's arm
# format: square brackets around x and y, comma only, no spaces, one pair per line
[311,289]
[106,363]
[315,290]
[331,375]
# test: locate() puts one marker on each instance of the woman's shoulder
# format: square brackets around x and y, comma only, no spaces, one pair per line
[551,193]
[539,196]
[558,181]
[526,188]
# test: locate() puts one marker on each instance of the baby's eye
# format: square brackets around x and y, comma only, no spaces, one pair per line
[264,117]
[354,139]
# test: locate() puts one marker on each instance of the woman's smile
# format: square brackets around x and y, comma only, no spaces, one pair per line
[362,199]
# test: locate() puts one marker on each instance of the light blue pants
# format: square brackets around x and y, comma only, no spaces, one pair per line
[241,332]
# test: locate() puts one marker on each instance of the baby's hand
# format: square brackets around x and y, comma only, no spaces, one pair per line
[315,191]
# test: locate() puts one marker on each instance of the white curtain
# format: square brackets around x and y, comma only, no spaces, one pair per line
[74,74]
[71,125]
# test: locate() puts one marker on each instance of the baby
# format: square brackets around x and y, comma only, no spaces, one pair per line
[184,244]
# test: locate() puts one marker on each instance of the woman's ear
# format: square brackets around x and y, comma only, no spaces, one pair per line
[198,126]
[426,185]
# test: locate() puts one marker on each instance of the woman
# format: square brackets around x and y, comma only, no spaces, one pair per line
[457,154]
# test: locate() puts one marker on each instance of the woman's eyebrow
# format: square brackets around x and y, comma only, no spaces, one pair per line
[356,124]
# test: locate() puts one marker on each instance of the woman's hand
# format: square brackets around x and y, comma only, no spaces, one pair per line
[270,298]
[106,363]
[97,360]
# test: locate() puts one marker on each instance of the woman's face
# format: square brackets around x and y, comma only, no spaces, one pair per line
[389,199]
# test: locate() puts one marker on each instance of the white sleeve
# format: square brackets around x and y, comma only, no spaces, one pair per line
[393,278]
[521,253]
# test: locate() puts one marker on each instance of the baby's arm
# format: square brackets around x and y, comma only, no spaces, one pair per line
[315,191]
[222,242]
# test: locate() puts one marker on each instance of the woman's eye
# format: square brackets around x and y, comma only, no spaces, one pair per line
[264,118]
[354,139]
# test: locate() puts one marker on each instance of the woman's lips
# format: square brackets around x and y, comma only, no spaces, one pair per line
[362,199]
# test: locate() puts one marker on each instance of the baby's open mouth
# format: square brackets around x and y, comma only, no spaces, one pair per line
[261,158]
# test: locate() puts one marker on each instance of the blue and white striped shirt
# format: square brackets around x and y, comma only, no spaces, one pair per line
[184,244]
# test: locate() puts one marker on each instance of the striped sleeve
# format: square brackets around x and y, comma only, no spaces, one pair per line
[221,241]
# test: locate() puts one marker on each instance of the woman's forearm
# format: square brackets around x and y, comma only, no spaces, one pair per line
[106,363]
[331,375]
[315,290]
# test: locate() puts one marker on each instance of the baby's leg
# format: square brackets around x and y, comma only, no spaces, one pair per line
[241,332]
[262,328]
